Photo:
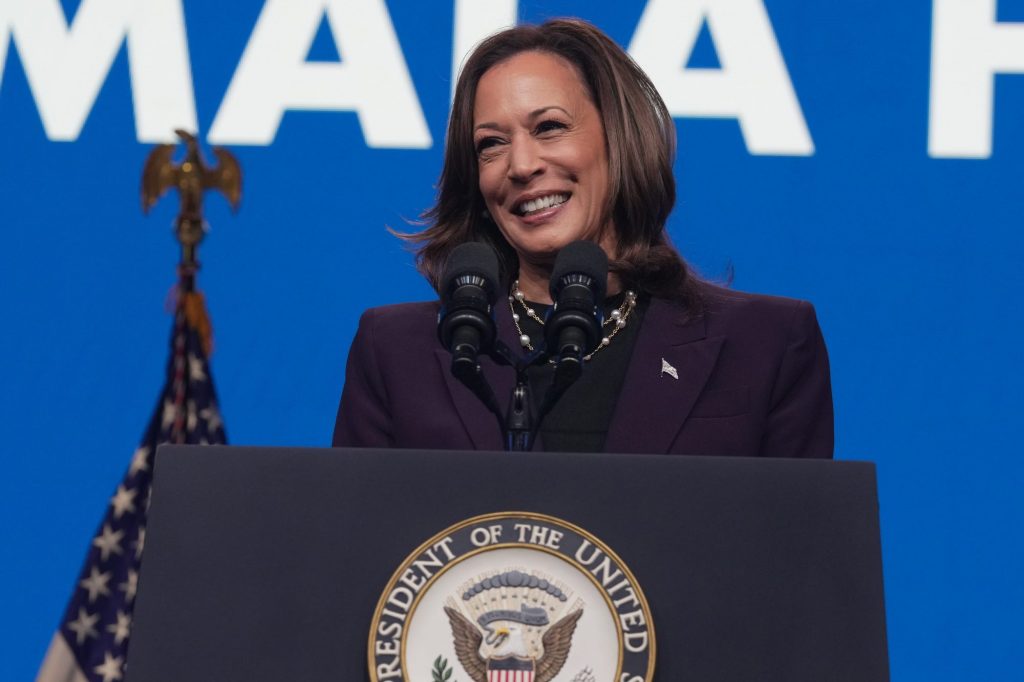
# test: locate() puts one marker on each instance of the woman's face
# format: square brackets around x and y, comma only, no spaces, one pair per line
[541,154]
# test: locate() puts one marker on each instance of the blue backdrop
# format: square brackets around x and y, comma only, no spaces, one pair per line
[852,154]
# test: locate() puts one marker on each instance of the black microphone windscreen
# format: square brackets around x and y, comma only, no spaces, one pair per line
[474,259]
[581,258]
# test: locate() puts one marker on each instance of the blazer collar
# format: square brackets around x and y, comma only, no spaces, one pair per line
[653,404]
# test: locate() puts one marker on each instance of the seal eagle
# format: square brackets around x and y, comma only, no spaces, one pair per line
[511,653]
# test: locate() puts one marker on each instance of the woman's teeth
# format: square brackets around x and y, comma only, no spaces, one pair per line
[541,203]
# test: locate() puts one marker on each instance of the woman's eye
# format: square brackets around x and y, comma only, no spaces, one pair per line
[548,126]
[485,143]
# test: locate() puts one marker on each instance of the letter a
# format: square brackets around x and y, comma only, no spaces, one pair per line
[968,48]
[753,84]
[273,76]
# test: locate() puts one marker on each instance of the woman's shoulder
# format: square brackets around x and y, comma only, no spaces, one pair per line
[719,300]
[390,331]
[398,324]
[397,316]
[731,311]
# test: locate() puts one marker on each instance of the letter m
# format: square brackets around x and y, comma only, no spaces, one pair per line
[66,65]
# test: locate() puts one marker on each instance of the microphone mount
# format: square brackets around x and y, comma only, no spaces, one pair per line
[572,330]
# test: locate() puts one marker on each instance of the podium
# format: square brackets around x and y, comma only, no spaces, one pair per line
[274,563]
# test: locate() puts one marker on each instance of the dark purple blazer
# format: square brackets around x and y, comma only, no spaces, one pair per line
[753,380]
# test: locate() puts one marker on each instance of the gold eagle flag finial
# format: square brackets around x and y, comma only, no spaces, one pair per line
[192,178]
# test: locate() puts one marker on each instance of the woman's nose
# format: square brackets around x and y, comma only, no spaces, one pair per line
[524,160]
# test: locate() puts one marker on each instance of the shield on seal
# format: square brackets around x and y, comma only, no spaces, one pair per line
[510,669]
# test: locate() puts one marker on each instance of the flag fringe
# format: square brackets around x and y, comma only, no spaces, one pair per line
[193,304]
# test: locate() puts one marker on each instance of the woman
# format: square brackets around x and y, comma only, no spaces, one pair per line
[555,136]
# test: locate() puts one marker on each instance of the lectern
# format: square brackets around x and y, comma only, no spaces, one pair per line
[345,565]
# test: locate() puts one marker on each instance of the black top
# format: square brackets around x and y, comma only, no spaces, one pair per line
[579,420]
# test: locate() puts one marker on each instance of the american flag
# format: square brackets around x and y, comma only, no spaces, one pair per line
[92,642]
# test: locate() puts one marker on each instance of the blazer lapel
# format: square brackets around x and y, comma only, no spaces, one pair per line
[478,421]
[653,403]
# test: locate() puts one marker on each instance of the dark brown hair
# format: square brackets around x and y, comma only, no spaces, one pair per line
[640,138]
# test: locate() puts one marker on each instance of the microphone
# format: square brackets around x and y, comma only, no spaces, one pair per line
[573,326]
[465,323]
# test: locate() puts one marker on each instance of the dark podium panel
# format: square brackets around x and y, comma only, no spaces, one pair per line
[267,563]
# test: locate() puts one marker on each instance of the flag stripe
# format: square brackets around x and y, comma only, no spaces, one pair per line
[59,664]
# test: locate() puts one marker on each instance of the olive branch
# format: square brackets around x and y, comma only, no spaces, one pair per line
[442,672]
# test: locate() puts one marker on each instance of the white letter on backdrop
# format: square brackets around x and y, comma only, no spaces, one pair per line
[474,21]
[274,76]
[968,48]
[752,84]
[66,66]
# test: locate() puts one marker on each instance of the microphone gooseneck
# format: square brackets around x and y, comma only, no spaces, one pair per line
[573,327]
[466,327]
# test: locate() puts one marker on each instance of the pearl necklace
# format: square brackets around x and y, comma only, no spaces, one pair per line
[617,319]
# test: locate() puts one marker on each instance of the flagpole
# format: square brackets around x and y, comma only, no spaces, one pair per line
[91,643]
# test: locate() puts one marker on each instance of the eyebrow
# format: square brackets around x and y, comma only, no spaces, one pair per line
[533,114]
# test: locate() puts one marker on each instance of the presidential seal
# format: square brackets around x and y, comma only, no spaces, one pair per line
[512,597]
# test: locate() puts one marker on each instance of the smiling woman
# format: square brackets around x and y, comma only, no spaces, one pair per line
[542,162]
[557,136]
[590,106]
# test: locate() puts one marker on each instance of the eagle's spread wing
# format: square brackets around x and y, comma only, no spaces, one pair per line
[557,642]
[158,175]
[467,645]
[227,176]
